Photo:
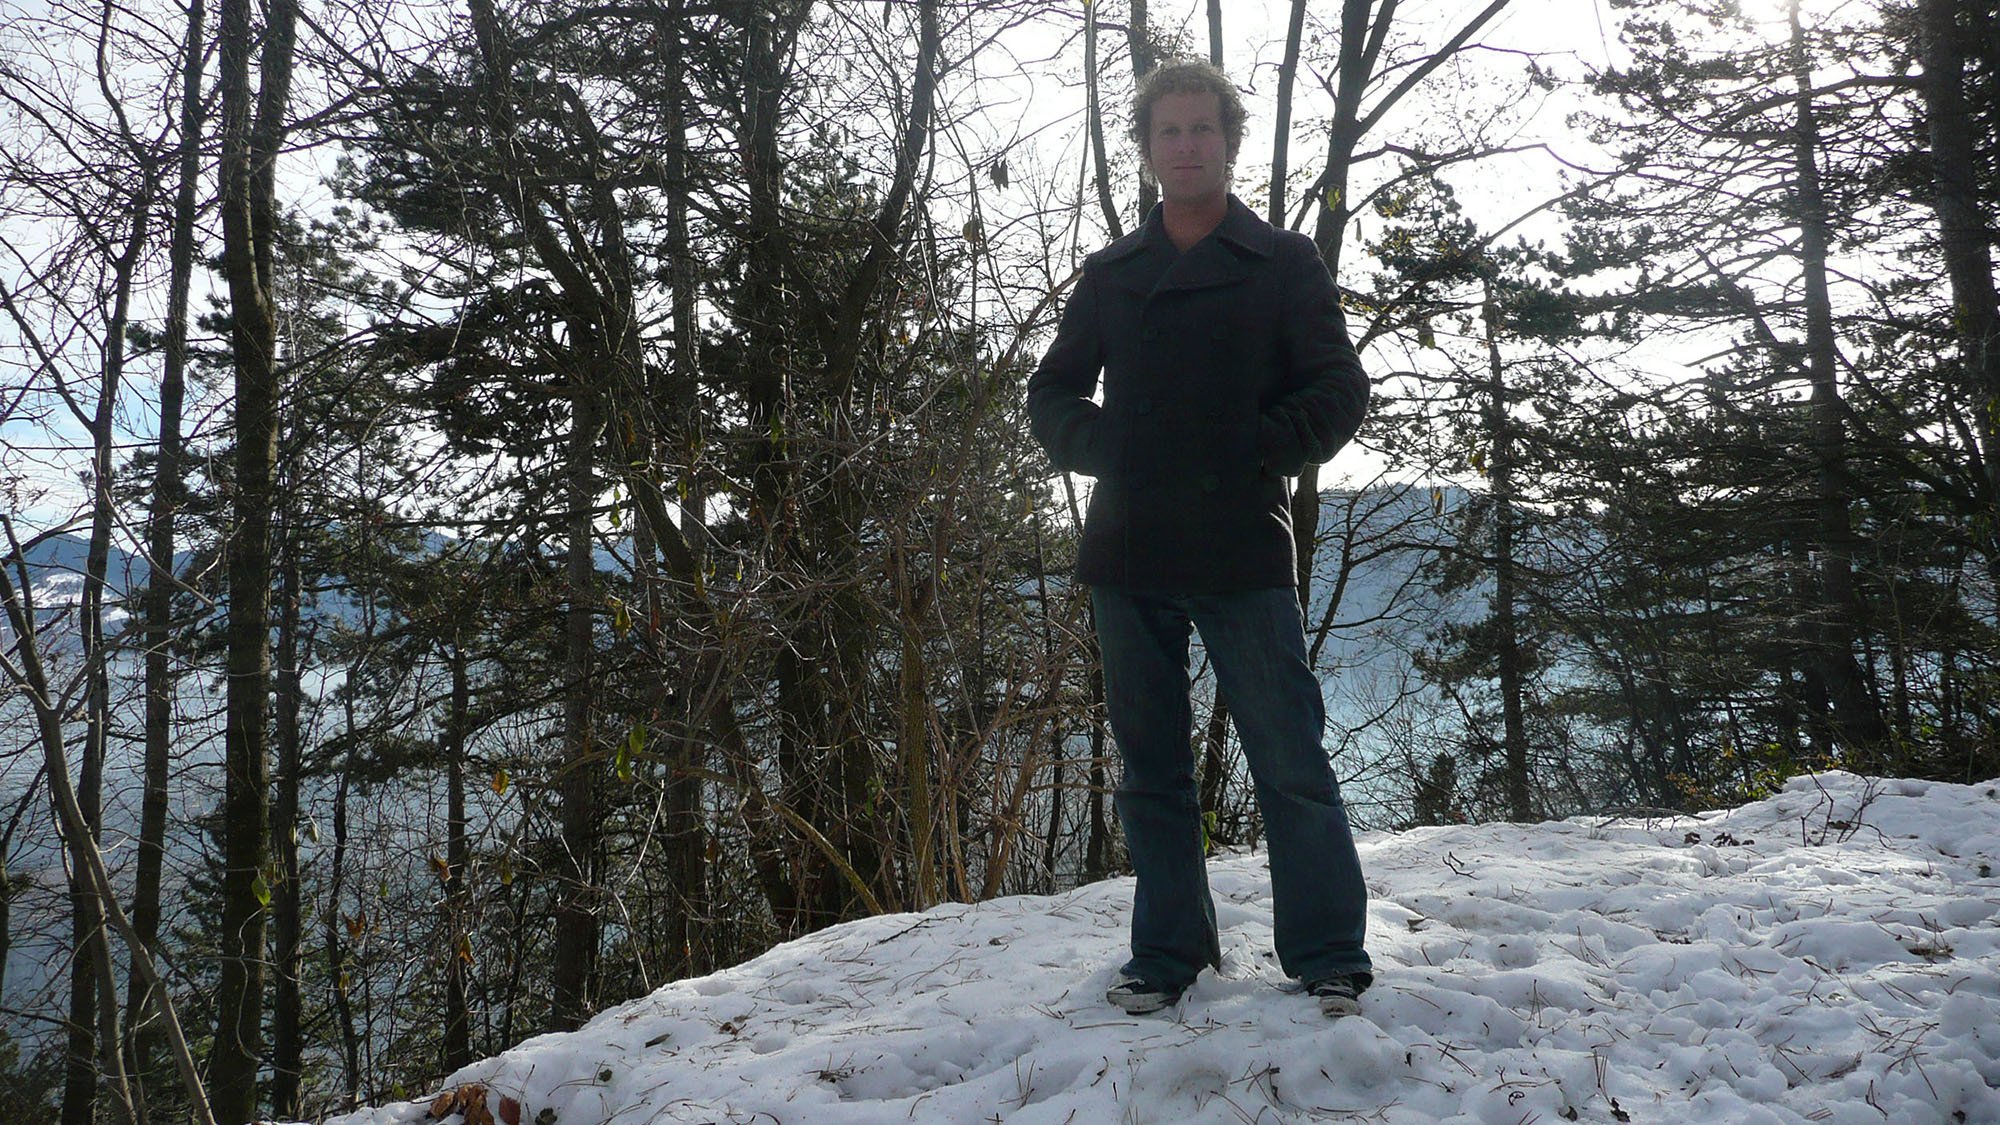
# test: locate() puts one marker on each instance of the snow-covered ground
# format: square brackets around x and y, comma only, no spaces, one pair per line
[1831,954]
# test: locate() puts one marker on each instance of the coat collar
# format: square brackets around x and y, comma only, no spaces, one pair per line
[1146,260]
[1243,229]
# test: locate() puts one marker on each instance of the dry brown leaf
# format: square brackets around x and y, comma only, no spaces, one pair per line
[469,1100]
[510,1111]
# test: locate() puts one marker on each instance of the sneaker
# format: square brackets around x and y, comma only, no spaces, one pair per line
[1139,997]
[1340,994]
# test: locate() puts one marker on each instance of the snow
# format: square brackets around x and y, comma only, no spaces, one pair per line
[1825,955]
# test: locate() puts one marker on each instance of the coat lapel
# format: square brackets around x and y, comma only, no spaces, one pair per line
[1146,262]
[1225,257]
[1139,265]
[1206,263]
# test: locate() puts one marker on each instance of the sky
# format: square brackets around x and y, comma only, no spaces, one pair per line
[1830,954]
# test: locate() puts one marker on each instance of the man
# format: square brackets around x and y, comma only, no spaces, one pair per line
[1226,369]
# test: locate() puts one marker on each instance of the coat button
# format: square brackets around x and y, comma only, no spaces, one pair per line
[1209,482]
[1152,333]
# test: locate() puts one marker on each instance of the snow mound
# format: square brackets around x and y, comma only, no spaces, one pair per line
[1828,955]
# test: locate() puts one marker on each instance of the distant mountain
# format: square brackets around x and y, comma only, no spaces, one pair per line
[57,564]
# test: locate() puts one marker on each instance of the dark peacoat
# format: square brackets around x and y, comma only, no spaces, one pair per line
[1226,369]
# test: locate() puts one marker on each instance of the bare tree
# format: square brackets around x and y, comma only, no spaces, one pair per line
[160,538]
[1359,108]
[25,670]
[253,132]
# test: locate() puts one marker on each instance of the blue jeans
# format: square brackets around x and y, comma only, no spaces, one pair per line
[1256,643]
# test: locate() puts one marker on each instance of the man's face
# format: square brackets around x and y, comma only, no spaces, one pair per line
[1186,150]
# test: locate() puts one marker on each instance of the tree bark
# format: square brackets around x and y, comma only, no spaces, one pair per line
[288,908]
[577,926]
[336,953]
[79,1098]
[1857,715]
[1215,768]
[913,736]
[1100,160]
[860,825]
[1281,130]
[1058,742]
[158,609]
[250,145]
[685,839]
[93,1012]
[1963,235]
[1330,230]
[1520,802]
[27,801]
[1097,842]
[458,857]
[1144,59]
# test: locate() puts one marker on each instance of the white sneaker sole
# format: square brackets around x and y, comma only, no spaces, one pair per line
[1337,1007]
[1140,1003]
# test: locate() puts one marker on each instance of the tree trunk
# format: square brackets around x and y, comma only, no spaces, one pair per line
[1144,59]
[1520,804]
[1361,43]
[7,879]
[685,839]
[1058,743]
[1097,843]
[158,610]
[1215,33]
[250,147]
[336,953]
[1215,768]
[685,392]
[1857,716]
[576,945]
[458,856]
[770,304]
[83,854]
[1963,235]
[1330,233]
[93,1004]
[913,733]
[1097,840]
[79,1098]
[1281,131]
[1100,160]
[577,274]
[288,913]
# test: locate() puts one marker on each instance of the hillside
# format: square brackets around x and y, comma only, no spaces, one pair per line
[1831,954]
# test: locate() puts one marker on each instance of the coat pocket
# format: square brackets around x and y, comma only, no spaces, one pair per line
[1104,456]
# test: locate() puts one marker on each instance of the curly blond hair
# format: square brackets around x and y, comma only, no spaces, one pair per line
[1188,76]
